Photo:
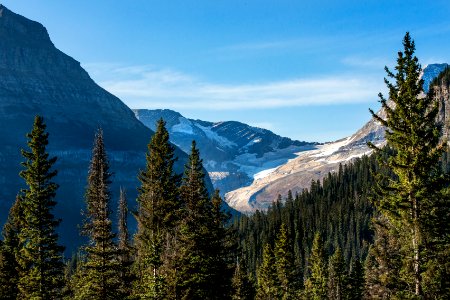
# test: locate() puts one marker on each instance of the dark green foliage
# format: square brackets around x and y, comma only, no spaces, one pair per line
[336,276]
[287,271]
[222,249]
[243,285]
[9,247]
[196,270]
[316,283]
[158,215]
[409,201]
[339,208]
[39,256]
[383,264]
[268,283]
[354,283]
[99,273]
[125,255]
[70,276]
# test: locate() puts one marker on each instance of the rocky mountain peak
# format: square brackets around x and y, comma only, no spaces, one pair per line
[430,72]
[23,29]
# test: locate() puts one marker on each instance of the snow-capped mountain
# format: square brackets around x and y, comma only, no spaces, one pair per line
[297,173]
[233,153]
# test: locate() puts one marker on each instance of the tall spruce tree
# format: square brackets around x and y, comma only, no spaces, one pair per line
[222,248]
[40,256]
[354,283]
[316,284]
[242,284]
[99,278]
[159,210]
[413,133]
[285,265]
[336,276]
[268,283]
[9,247]
[196,270]
[125,255]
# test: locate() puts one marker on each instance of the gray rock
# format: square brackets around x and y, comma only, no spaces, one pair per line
[36,78]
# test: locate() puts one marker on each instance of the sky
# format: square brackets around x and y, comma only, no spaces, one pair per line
[308,70]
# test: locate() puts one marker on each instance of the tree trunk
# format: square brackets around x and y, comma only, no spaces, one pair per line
[415,244]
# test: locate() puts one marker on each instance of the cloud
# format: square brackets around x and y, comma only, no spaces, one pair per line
[147,87]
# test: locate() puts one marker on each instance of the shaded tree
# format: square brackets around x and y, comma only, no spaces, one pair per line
[125,250]
[336,276]
[285,265]
[316,284]
[99,272]
[40,256]
[268,284]
[9,247]
[242,284]
[196,269]
[158,215]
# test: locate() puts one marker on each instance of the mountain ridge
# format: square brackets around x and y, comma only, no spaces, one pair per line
[233,152]
[297,173]
[40,79]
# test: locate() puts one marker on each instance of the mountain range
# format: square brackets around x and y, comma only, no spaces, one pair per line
[297,173]
[250,165]
[37,78]
[233,153]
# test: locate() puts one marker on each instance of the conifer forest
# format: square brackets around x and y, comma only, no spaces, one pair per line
[377,228]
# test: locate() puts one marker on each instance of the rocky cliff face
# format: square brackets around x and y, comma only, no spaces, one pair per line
[296,174]
[233,153]
[39,79]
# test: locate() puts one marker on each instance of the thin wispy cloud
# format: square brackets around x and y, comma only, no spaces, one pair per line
[146,87]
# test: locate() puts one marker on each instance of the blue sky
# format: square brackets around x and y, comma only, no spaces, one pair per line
[308,70]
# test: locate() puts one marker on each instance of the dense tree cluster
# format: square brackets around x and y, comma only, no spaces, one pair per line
[377,228]
[329,232]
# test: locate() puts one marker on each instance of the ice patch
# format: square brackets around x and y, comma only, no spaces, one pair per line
[218,175]
[214,136]
[262,174]
[185,126]
[330,148]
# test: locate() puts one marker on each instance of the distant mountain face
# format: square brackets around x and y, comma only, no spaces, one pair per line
[296,174]
[430,72]
[39,79]
[233,153]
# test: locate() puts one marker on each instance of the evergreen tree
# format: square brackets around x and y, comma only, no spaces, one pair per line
[9,268]
[336,276]
[354,283]
[196,270]
[242,284]
[126,276]
[159,210]
[412,131]
[99,278]
[285,265]
[70,276]
[384,263]
[221,248]
[316,284]
[268,283]
[39,256]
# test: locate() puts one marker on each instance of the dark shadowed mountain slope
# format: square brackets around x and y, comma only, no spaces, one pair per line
[37,78]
